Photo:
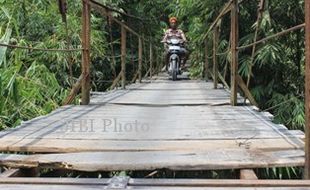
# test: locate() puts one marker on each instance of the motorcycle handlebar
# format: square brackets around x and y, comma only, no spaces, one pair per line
[181,42]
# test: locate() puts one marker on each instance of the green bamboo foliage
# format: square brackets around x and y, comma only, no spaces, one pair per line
[277,78]
[278,64]
[6,37]
[33,83]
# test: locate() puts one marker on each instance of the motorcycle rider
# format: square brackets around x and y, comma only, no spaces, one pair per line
[173,31]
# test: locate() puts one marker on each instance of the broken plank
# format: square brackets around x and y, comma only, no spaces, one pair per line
[174,160]
[11,173]
[247,174]
[84,145]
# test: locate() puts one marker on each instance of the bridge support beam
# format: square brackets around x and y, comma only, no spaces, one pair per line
[158,58]
[206,65]
[140,60]
[86,85]
[307,90]
[215,59]
[123,56]
[234,51]
[151,60]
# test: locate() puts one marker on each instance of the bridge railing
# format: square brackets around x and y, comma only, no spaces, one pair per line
[84,81]
[236,80]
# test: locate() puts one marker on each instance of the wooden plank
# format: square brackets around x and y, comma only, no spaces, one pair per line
[95,187]
[86,183]
[174,160]
[20,172]
[119,182]
[246,124]
[215,117]
[243,114]
[77,128]
[54,181]
[220,183]
[52,187]
[196,93]
[219,188]
[135,129]
[11,173]
[143,129]
[248,174]
[84,145]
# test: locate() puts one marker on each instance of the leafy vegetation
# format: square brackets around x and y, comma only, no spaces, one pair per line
[277,81]
[33,83]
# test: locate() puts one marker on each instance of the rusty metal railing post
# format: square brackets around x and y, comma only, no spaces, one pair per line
[123,55]
[86,85]
[307,90]
[157,61]
[151,60]
[234,51]
[215,60]
[140,59]
[206,65]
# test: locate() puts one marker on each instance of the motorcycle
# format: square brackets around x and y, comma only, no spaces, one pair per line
[175,51]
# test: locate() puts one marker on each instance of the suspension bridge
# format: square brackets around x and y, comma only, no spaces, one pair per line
[157,124]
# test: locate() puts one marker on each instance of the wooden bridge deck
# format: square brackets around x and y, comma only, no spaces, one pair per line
[183,125]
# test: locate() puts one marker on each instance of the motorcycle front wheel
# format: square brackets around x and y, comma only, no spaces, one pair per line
[174,71]
[174,75]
